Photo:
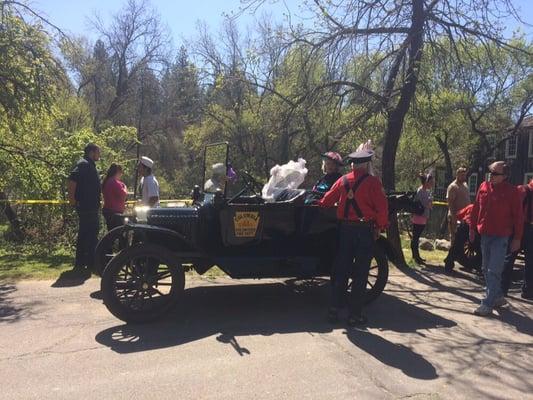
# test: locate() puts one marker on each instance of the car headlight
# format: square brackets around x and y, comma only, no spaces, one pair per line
[141,213]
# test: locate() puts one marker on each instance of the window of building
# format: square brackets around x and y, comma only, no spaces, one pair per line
[511,147]
[472,183]
[530,152]
[527,177]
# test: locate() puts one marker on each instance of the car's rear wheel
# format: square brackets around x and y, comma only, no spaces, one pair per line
[142,283]
[378,274]
[466,253]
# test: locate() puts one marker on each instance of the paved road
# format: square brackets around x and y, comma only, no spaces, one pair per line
[266,340]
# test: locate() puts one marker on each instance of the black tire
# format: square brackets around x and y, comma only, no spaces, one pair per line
[465,253]
[109,246]
[132,280]
[378,274]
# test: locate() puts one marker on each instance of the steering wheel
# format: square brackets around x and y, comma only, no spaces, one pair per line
[250,185]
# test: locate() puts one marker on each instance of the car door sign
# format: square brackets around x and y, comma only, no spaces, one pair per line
[246,223]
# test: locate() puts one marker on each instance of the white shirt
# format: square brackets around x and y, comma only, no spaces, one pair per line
[150,188]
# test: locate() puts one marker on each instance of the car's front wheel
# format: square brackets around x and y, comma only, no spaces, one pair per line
[378,274]
[142,283]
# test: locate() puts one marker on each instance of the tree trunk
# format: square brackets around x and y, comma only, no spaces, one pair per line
[11,216]
[443,145]
[396,119]
[139,140]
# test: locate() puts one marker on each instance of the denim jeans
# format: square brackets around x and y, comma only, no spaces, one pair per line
[493,250]
[527,246]
[356,248]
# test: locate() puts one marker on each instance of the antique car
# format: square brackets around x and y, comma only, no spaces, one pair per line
[238,232]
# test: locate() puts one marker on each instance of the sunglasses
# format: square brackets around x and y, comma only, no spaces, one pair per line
[495,173]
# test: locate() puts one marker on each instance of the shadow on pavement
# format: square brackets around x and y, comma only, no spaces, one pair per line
[233,311]
[71,278]
[8,311]
[394,355]
[521,322]
[427,276]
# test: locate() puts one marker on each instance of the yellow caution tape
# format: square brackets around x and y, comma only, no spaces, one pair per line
[440,203]
[62,202]
[50,202]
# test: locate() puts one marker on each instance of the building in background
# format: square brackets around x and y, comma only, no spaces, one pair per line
[516,149]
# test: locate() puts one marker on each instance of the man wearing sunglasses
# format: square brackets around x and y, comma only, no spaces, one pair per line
[497,216]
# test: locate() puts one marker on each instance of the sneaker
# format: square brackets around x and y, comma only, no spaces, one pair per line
[357,320]
[501,302]
[483,310]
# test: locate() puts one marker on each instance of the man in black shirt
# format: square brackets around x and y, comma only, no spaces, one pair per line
[84,191]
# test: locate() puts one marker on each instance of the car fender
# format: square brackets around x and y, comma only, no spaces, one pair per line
[146,230]
[152,230]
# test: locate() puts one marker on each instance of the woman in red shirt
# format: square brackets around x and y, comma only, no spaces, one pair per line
[115,193]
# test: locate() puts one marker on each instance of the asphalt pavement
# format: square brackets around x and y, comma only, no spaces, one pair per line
[266,339]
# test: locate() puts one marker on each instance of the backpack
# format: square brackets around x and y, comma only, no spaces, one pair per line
[417,207]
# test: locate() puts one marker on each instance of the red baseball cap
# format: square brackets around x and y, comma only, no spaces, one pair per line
[333,157]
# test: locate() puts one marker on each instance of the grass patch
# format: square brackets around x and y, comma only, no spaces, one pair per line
[23,262]
[435,257]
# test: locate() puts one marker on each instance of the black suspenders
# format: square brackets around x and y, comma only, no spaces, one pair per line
[350,200]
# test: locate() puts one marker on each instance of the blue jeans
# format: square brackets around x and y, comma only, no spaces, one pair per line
[493,250]
[527,246]
[356,249]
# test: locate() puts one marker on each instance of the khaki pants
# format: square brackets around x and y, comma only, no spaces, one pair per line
[452,227]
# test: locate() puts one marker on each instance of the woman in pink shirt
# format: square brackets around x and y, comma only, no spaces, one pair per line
[115,193]
[423,195]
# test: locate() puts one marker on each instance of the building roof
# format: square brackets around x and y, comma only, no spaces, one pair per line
[527,122]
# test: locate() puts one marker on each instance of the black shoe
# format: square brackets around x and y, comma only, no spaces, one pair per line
[448,265]
[333,315]
[357,320]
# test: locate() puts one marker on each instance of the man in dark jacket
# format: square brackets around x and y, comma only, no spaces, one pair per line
[84,191]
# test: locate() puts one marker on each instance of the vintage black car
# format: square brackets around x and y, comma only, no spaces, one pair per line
[239,233]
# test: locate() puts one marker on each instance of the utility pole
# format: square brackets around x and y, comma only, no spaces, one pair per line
[139,136]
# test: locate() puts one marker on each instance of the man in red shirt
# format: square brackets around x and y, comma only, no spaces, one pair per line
[362,211]
[526,192]
[497,216]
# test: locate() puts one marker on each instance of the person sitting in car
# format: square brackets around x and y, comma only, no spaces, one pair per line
[331,166]
[217,180]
